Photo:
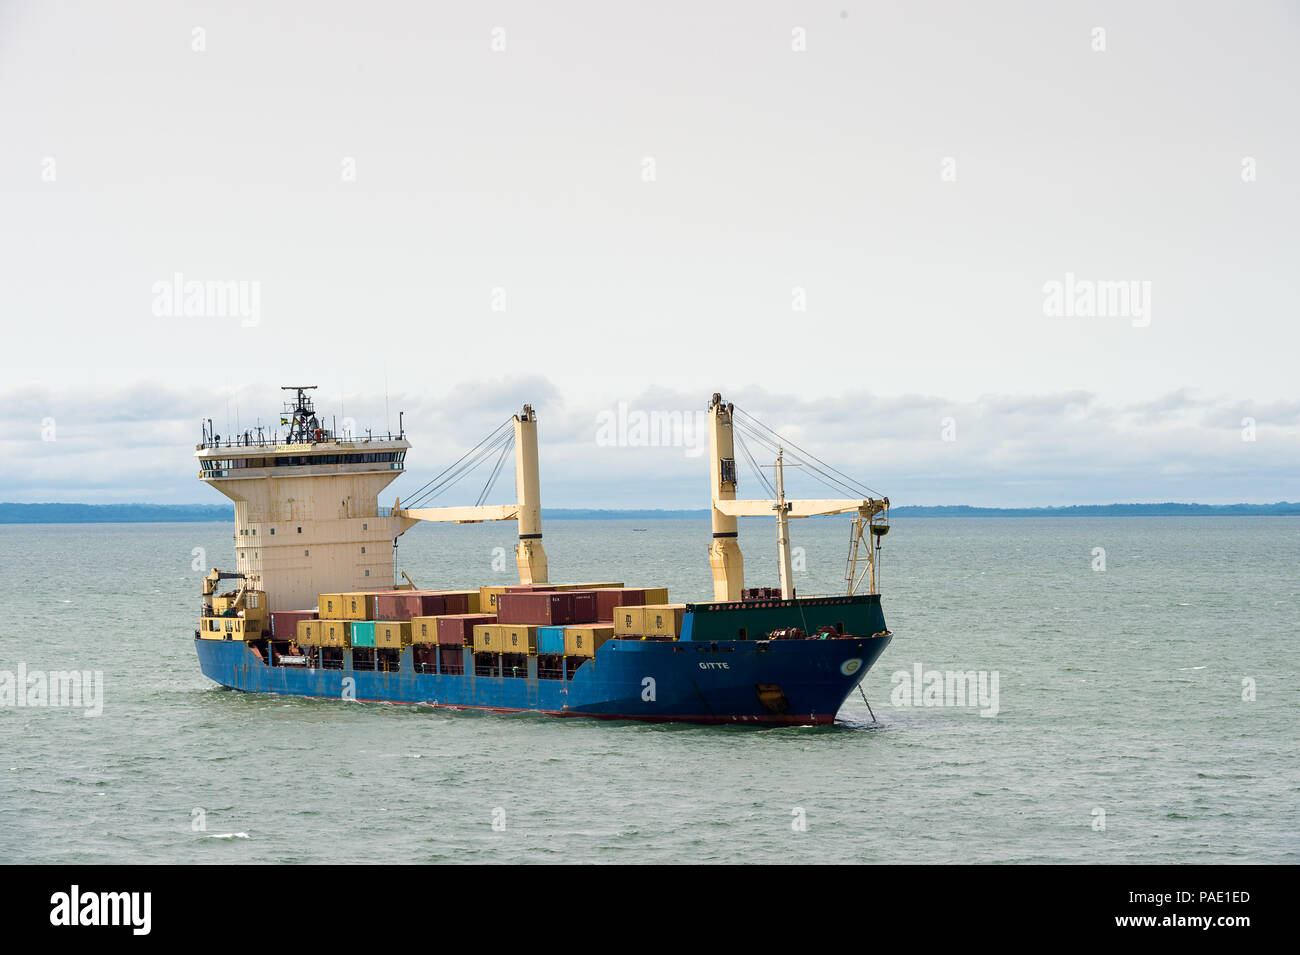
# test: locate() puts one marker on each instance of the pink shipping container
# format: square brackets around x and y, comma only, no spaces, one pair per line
[543,609]
[397,605]
[607,600]
[435,603]
[284,623]
[453,630]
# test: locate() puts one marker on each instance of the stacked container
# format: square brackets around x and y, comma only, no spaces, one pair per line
[284,623]
[550,641]
[330,606]
[457,630]
[363,633]
[334,633]
[358,606]
[392,634]
[309,632]
[664,620]
[585,641]
[487,598]
[397,605]
[541,608]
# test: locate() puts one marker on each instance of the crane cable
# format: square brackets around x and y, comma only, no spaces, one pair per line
[467,462]
[808,459]
[496,471]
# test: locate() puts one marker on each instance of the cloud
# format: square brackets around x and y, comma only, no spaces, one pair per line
[135,443]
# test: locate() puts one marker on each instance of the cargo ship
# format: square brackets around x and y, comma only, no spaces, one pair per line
[315,607]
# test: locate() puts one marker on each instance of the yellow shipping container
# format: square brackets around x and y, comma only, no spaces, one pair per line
[333,633]
[518,639]
[664,620]
[392,634]
[309,633]
[487,599]
[489,637]
[629,621]
[330,606]
[585,641]
[358,606]
[424,629]
[655,596]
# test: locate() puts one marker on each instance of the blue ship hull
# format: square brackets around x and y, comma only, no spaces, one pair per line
[781,682]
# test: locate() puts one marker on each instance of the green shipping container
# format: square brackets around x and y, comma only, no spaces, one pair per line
[363,633]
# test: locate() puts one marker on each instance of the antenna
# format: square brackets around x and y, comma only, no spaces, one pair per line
[299,414]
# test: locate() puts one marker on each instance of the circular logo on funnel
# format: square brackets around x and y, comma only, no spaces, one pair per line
[851,666]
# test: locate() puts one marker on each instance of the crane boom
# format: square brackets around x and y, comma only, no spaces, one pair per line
[530,556]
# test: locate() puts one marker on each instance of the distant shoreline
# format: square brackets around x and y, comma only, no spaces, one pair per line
[203,513]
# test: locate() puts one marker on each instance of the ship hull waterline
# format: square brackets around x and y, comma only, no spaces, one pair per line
[778,682]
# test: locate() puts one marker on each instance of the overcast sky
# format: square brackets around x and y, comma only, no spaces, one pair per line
[1001,253]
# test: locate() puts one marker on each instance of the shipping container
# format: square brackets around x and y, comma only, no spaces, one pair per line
[540,608]
[424,630]
[458,630]
[656,595]
[358,606]
[454,601]
[398,606]
[488,637]
[392,634]
[607,600]
[601,586]
[585,607]
[284,623]
[518,639]
[309,633]
[664,620]
[487,598]
[629,621]
[330,606]
[585,641]
[550,640]
[334,633]
[363,633]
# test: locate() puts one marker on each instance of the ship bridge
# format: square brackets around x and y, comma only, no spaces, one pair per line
[307,519]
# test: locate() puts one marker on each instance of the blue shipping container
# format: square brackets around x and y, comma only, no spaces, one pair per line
[550,640]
